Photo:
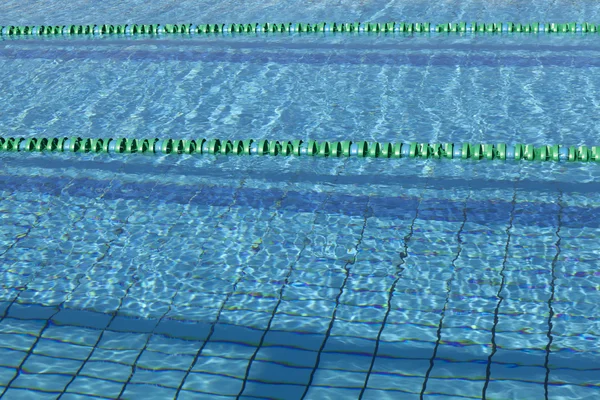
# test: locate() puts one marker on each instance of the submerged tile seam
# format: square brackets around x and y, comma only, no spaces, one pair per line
[368,214]
[488,372]
[400,270]
[286,282]
[448,290]
[552,291]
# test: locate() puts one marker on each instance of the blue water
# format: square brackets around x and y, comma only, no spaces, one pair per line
[288,278]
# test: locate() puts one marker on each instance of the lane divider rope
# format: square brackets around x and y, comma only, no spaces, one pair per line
[361,149]
[289,27]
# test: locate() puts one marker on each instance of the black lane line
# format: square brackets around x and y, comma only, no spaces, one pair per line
[448,288]
[552,291]
[488,370]
[399,271]
[368,214]
[281,290]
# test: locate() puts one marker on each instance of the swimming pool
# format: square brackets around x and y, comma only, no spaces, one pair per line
[290,277]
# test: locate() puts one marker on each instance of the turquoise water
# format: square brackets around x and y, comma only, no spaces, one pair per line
[286,278]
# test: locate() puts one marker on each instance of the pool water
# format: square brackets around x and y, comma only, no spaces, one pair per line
[203,277]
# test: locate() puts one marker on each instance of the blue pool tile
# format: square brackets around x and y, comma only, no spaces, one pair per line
[170,345]
[197,331]
[474,353]
[157,361]
[264,371]
[306,341]
[44,382]
[469,388]
[513,372]
[406,349]
[248,319]
[132,325]
[10,357]
[6,374]
[16,341]
[149,392]
[28,394]
[346,344]
[269,391]
[215,384]
[401,366]
[562,376]
[126,357]
[334,393]
[318,310]
[106,370]
[4,305]
[378,394]
[31,327]
[189,395]
[47,296]
[37,364]
[566,358]
[72,334]
[31,311]
[400,384]
[500,389]
[574,392]
[123,341]
[89,319]
[228,350]
[287,356]
[301,324]
[235,368]
[170,379]
[236,334]
[54,348]
[341,379]
[75,396]
[95,387]
[345,361]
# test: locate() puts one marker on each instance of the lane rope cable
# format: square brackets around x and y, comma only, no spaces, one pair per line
[249,147]
[289,27]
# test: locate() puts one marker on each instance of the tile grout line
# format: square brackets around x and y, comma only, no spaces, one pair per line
[447,300]
[400,270]
[282,289]
[366,217]
[499,296]
[227,297]
[552,291]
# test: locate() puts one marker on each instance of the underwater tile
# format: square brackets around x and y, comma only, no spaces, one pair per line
[106,370]
[95,387]
[214,384]
[149,392]
[132,325]
[31,311]
[89,319]
[255,389]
